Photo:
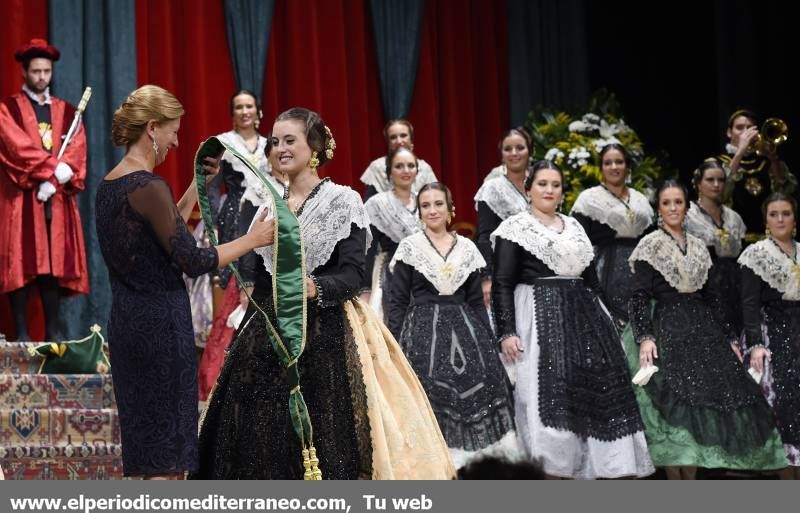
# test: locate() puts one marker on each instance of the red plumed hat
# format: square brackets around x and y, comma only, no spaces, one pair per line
[37,48]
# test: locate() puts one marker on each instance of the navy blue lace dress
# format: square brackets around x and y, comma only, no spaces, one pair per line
[147,247]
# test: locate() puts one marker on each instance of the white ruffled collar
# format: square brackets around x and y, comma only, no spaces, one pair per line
[774,266]
[325,219]
[726,239]
[391,217]
[687,272]
[502,197]
[629,219]
[446,274]
[567,253]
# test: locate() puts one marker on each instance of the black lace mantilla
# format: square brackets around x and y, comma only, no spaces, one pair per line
[584,383]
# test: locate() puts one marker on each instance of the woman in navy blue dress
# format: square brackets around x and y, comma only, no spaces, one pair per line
[147,248]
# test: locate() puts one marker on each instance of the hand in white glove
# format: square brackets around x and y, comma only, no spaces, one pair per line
[46,189]
[63,173]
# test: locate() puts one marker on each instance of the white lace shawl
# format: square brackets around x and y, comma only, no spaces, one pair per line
[388,215]
[601,205]
[702,226]
[375,175]
[495,172]
[502,197]
[567,253]
[324,221]
[687,273]
[771,265]
[446,275]
[254,191]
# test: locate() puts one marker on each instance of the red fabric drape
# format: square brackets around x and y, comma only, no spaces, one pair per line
[22,21]
[322,56]
[460,104]
[181,46]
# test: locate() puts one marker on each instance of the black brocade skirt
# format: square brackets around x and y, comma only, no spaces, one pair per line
[615,277]
[247,432]
[584,383]
[455,357]
[701,385]
[782,320]
[724,281]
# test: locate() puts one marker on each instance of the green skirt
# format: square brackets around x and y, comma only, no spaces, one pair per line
[674,445]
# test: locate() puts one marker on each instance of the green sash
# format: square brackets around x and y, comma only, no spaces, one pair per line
[288,338]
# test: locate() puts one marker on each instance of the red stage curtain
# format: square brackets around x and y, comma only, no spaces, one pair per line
[322,56]
[460,106]
[181,46]
[22,21]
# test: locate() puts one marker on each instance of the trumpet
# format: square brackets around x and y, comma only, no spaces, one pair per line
[773,133]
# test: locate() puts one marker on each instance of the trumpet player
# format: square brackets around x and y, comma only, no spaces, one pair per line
[753,168]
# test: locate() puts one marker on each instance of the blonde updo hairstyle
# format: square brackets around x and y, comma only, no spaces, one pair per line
[149,102]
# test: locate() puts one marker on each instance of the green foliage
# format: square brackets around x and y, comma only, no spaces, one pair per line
[574,143]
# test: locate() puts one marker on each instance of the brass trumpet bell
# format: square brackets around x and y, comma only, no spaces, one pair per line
[773,133]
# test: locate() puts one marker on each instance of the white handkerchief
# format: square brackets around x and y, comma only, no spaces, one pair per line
[757,375]
[643,376]
[235,318]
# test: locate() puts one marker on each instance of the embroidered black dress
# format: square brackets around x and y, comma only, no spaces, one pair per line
[496,200]
[247,432]
[147,248]
[437,314]
[700,408]
[771,310]
[575,408]
[614,226]
[724,243]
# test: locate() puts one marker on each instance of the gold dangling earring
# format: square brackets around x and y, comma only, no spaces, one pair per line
[313,163]
[767,232]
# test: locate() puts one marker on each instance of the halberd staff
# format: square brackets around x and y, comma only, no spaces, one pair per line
[76,121]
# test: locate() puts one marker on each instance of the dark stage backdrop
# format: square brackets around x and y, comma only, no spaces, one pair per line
[677,71]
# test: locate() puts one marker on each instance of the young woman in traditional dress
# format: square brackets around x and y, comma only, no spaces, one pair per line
[700,408]
[356,404]
[722,231]
[615,217]
[497,200]
[392,217]
[436,311]
[771,311]
[233,214]
[575,408]
[398,133]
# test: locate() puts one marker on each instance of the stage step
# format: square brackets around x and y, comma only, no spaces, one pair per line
[56,391]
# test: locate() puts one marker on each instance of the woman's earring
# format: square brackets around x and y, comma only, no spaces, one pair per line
[767,232]
[314,162]
[155,146]
[794,232]
[659,220]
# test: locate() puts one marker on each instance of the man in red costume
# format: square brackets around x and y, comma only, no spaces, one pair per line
[41,240]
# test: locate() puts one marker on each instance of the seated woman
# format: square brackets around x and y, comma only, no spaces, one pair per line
[771,310]
[367,414]
[436,312]
[575,409]
[399,133]
[700,408]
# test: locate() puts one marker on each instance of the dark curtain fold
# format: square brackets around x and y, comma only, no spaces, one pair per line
[547,52]
[398,32]
[98,49]
[248,24]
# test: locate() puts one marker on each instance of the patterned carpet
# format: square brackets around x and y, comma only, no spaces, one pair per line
[55,426]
